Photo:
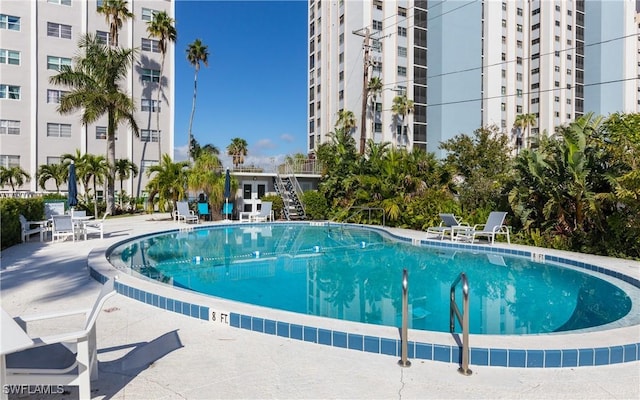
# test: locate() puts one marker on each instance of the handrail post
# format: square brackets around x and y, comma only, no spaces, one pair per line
[403,362]
[462,319]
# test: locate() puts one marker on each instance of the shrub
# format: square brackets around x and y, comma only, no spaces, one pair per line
[10,209]
[315,205]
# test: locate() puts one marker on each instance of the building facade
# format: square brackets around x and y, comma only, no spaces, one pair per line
[468,64]
[39,36]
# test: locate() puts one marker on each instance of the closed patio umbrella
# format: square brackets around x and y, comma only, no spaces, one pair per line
[72,199]
[227,191]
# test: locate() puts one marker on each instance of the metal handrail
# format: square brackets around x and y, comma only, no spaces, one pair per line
[463,319]
[359,209]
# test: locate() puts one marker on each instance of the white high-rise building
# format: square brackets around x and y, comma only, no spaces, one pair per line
[468,64]
[36,38]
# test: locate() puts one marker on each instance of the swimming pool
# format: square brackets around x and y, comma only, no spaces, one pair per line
[351,273]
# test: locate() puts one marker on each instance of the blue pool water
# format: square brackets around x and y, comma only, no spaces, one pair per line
[355,274]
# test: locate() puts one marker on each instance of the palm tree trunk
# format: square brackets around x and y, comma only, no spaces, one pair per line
[193,111]
[111,156]
[158,107]
[95,199]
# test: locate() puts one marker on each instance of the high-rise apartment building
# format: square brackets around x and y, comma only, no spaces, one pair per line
[36,38]
[468,64]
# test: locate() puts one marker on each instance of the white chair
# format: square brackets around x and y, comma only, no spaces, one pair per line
[183,213]
[51,209]
[264,214]
[94,227]
[494,226]
[447,224]
[62,226]
[27,230]
[62,359]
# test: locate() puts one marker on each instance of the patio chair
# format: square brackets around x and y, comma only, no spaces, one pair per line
[447,224]
[494,226]
[184,213]
[203,211]
[51,209]
[61,359]
[227,210]
[264,214]
[27,228]
[94,227]
[62,226]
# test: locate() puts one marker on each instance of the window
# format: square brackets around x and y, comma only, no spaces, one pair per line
[503,90]
[54,95]
[535,100]
[341,58]
[101,132]
[557,8]
[10,92]
[535,85]
[503,123]
[9,127]
[519,28]
[341,95]
[149,105]
[402,12]
[58,130]
[556,84]
[341,76]
[568,56]
[61,2]
[568,71]
[377,25]
[147,14]
[519,60]
[402,51]
[557,114]
[9,22]
[150,75]
[535,41]
[504,23]
[519,92]
[402,71]
[402,31]
[556,99]
[9,57]
[504,6]
[557,23]
[503,106]
[148,135]
[377,127]
[569,13]
[556,68]
[519,76]
[54,160]
[503,56]
[9,161]
[535,56]
[535,71]
[519,12]
[569,101]
[519,44]
[519,109]
[341,38]
[378,4]
[535,26]
[535,12]
[557,38]
[504,73]
[102,36]
[568,116]
[56,63]
[58,30]
[504,40]
[150,45]
[146,164]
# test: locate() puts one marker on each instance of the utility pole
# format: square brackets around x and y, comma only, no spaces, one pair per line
[365,83]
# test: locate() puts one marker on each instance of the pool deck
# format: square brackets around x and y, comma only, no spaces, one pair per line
[149,353]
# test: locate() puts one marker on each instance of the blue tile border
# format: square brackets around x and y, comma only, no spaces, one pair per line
[513,358]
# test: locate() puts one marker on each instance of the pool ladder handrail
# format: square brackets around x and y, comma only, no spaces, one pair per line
[463,319]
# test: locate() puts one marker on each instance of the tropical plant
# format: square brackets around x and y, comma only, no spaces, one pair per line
[95,80]
[346,121]
[125,169]
[197,53]
[374,88]
[14,176]
[169,182]
[197,150]
[402,107]
[206,176]
[115,13]
[96,169]
[237,150]
[79,160]
[162,28]
[524,122]
[58,172]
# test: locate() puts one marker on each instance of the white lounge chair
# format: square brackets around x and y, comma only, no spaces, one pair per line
[183,213]
[62,226]
[27,228]
[264,214]
[61,359]
[448,223]
[494,226]
[95,227]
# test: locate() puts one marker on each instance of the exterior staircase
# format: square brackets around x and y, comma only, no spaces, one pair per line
[288,188]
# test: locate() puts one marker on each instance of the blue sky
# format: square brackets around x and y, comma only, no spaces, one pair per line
[255,87]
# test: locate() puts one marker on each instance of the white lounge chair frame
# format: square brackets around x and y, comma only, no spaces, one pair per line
[62,226]
[95,227]
[264,214]
[448,223]
[494,226]
[27,230]
[36,365]
[184,213]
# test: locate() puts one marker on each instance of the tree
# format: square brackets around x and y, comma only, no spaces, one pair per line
[95,80]
[14,176]
[237,150]
[58,172]
[115,12]
[374,88]
[346,121]
[197,52]
[124,170]
[79,160]
[402,107]
[524,121]
[206,176]
[197,150]
[169,181]
[96,169]
[161,27]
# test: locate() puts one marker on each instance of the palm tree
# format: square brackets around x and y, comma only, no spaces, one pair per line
[115,12]
[402,106]
[206,176]
[196,53]
[374,88]
[346,121]
[197,150]
[95,82]
[58,172]
[524,121]
[95,168]
[161,27]
[124,170]
[237,150]
[14,176]
[169,181]
[79,160]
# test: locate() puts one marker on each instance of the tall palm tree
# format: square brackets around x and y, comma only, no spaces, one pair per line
[402,106]
[237,150]
[14,176]
[58,172]
[169,181]
[346,121]
[95,80]
[524,121]
[96,169]
[115,13]
[161,27]
[197,52]
[374,88]
[124,170]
